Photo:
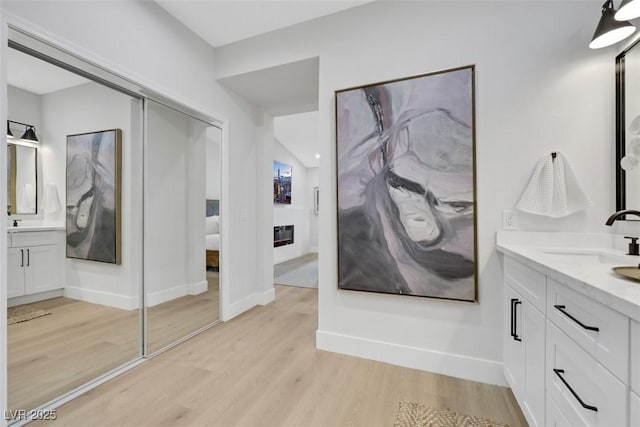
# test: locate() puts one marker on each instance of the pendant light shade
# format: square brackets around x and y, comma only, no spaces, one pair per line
[9,134]
[629,9]
[609,31]
[30,135]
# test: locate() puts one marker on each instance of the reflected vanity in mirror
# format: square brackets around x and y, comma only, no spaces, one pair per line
[628,129]
[22,179]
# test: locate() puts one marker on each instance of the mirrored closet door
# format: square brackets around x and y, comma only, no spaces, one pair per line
[75,234]
[181,226]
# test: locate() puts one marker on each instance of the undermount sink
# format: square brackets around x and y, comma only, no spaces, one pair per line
[590,257]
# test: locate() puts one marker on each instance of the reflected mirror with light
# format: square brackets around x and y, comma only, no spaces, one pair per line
[22,179]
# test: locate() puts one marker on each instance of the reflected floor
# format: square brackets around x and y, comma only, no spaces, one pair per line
[79,341]
[172,320]
[76,343]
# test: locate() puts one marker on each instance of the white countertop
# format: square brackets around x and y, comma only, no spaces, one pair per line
[596,279]
[35,227]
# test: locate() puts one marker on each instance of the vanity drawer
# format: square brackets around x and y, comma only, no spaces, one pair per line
[578,316]
[584,391]
[529,283]
[635,357]
[33,238]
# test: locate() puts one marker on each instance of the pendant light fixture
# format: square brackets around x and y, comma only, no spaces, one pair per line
[609,31]
[629,9]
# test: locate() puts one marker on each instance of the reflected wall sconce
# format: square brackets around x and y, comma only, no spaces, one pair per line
[610,30]
[629,9]
[29,134]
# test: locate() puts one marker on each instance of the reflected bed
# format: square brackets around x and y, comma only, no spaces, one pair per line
[212,234]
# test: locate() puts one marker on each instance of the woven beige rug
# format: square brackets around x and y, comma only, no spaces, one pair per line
[417,415]
[24,313]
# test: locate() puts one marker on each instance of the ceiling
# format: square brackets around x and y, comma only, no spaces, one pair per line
[299,133]
[36,76]
[284,89]
[221,22]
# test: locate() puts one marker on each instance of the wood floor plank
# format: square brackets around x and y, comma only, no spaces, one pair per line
[80,341]
[262,369]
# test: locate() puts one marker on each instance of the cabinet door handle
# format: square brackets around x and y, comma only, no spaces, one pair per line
[584,405]
[515,320]
[28,258]
[561,309]
[513,300]
[21,257]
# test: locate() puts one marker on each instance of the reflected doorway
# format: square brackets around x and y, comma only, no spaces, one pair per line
[181,297]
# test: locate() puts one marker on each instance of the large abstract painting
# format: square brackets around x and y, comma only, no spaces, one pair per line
[93,196]
[406,186]
[281,183]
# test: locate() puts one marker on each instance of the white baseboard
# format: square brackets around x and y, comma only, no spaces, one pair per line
[28,299]
[159,297]
[132,303]
[248,302]
[313,249]
[197,288]
[454,365]
[103,298]
[267,296]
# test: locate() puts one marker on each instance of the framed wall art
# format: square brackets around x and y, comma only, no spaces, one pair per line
[406,186]
[93,189]
[281,183]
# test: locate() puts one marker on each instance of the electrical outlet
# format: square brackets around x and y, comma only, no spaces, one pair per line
[509,220]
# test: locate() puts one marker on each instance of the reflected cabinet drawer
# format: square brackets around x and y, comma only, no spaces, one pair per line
[584,391]
[601,331]
[33,238]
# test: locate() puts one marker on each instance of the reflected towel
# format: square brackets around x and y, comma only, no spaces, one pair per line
[26,199]
[553,190]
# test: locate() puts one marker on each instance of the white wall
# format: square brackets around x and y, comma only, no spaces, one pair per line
[538,89]
[151,57]
[88,108]
[175,201]
[313,180]
[212,174]
[298,212]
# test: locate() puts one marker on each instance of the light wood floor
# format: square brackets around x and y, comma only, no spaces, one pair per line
[292,264]
[262,369]
[80,341]
[172,320]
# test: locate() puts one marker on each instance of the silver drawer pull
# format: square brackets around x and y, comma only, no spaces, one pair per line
[584,405]
[561,309]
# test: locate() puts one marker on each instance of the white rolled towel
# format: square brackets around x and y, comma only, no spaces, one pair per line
[553,190]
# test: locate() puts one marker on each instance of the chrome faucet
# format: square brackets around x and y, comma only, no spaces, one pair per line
[618,214]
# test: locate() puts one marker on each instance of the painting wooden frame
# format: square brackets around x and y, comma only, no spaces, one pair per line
[406,186]
[93,196]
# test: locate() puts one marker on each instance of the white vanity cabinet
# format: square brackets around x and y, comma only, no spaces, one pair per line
[524,338]
[568,358]
[32,265]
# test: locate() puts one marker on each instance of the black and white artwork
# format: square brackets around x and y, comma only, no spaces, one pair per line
[406,186]
[93,196]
